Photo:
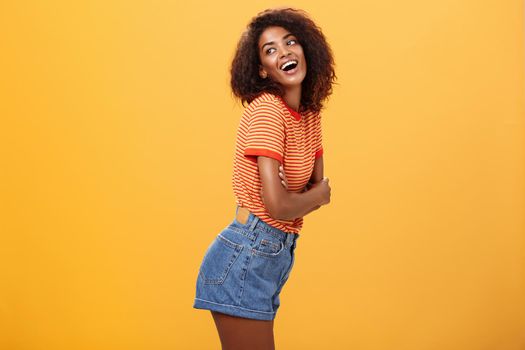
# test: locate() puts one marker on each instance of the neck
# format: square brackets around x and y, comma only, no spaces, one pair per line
[292,97]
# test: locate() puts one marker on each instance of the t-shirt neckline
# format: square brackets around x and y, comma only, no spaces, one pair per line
[294,113]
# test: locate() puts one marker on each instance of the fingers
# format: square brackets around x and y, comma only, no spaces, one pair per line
[284,181]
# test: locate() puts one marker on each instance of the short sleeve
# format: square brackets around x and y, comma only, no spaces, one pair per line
[318,137]
[266,133]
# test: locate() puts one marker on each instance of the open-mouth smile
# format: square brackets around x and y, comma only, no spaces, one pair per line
[289,65]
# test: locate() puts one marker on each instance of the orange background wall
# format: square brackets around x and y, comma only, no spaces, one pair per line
[117,137]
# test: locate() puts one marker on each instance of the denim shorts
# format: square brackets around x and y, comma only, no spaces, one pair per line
[245,268]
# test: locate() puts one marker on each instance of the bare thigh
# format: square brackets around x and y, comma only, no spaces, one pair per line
[238,333]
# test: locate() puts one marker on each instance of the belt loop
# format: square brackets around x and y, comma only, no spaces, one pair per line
[289,239]
[255,219]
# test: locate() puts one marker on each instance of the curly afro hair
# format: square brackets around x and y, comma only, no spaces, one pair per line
[245,81]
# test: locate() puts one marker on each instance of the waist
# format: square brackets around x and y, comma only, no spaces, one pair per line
[245,217]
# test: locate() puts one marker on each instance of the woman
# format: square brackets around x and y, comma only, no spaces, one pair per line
[284,69]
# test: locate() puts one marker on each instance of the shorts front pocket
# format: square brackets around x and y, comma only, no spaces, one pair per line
[268,247]
[218,260]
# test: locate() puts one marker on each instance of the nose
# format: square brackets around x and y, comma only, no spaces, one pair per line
[285,51]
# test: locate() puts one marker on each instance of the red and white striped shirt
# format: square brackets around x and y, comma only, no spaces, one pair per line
[269,127]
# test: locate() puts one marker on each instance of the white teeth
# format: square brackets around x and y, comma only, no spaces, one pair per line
[288,63]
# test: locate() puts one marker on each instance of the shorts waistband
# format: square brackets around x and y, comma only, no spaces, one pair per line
[252,221]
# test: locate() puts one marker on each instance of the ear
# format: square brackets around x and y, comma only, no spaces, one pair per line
[262,73]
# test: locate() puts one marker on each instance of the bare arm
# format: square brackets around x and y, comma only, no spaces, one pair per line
[285,205]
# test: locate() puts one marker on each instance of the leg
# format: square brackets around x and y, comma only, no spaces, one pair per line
[238,333]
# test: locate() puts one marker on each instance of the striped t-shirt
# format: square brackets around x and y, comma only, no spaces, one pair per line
[269,127]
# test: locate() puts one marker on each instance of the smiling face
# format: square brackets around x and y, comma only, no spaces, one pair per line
[282,58]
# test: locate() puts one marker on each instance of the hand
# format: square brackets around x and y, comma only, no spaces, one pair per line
[311,185]
[284,180]
[324,190]
[282,175]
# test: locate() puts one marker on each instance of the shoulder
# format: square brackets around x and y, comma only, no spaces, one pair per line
[267,104]
[312,114]
[312,117]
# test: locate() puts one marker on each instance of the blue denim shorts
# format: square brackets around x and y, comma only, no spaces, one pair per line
[245,268]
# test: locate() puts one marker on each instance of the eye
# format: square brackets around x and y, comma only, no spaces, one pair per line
[268,51]
[292,41]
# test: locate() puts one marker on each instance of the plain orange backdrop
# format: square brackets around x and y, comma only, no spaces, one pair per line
[117,138]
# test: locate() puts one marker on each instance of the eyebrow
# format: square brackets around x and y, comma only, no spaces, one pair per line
[272,42]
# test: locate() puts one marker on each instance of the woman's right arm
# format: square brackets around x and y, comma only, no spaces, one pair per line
[284,205]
